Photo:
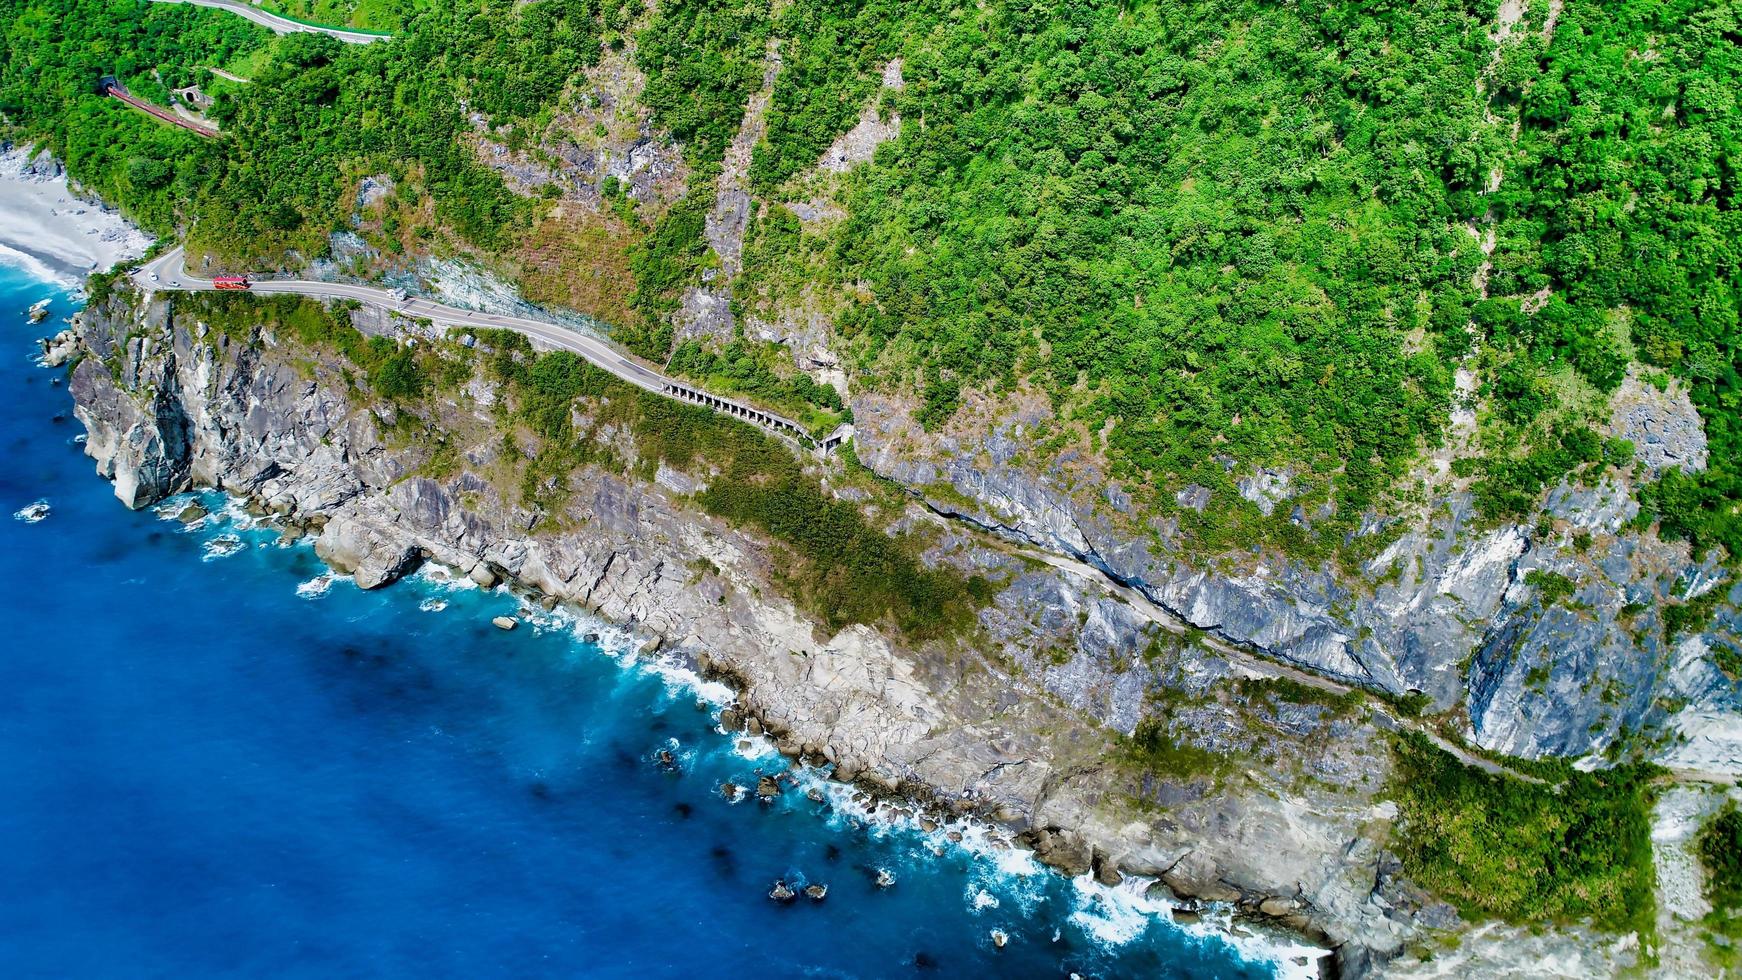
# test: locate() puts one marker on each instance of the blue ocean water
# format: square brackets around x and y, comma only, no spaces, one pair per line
[215,761]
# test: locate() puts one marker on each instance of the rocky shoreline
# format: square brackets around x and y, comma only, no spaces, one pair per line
[1020,727]
[183,411]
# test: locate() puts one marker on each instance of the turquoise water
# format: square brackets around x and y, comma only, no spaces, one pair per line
[219,762]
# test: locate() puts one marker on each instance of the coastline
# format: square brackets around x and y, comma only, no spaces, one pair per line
[55,236]
[1113,914]
[52,231]
[920,726]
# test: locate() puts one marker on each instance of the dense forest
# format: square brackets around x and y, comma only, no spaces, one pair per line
[1215,234]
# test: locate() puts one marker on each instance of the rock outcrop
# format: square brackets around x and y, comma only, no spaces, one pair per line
[1019,726]
[1445,609]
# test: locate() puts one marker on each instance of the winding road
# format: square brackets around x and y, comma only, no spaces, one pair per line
[168,273]
[284,25]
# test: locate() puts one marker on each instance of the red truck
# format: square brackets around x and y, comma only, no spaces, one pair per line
[230,282]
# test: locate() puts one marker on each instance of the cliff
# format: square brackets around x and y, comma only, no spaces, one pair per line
[1276,803]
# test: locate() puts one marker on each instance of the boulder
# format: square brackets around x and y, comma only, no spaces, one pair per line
[767,787]
[505,622]
[782,892]
[483,575]
[817,892]
[1061,849]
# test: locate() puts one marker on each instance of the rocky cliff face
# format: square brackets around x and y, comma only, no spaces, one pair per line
[1016,722]
[1010,727]
[1450,608]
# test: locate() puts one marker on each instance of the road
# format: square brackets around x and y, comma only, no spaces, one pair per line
[1383,715]
[284,25]
[168,273]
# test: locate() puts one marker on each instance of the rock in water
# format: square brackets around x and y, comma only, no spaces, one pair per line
[505,622]
[817,892]
[730,791]
[781,892]
[999,938]
[192,513]
[767,787]
[884,878]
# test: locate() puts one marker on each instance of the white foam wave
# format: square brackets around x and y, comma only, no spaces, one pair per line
[440,577]
[432,604]
[315,587]
[32,513]
[222,546]
[36,268]
[1115,916]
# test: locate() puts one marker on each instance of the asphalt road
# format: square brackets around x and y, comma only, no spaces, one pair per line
[283,25]
[168,273]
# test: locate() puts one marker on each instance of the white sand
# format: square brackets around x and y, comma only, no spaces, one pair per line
[47,230]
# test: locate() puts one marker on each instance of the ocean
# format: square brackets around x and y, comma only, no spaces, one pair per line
[218,760]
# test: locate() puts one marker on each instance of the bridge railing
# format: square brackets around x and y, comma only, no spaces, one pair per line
[782,427]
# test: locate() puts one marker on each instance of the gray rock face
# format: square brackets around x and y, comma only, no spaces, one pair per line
[1018,727]
[1442,610]
[1663,424]
[168,407]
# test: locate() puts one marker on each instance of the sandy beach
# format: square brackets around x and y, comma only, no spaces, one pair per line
[48,230]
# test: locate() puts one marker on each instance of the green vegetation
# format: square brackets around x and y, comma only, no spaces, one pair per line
[319,116]
[1552,588]
[755,371]
[841,568]
[1214,234]
[1218,266]
[1153,748]
[1720,849]
[1286,690]
[1625,202]
[1495,846]
[831,55]
[1692,615]
[393,371]
[1721,852]
[51,58]
[703,59]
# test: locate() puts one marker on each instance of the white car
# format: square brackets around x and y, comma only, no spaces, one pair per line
[154,277]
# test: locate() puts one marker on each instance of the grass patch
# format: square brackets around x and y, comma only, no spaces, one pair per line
[837,565]
[1287,690]
[1498,847]
[1153,748]
[1720,848]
